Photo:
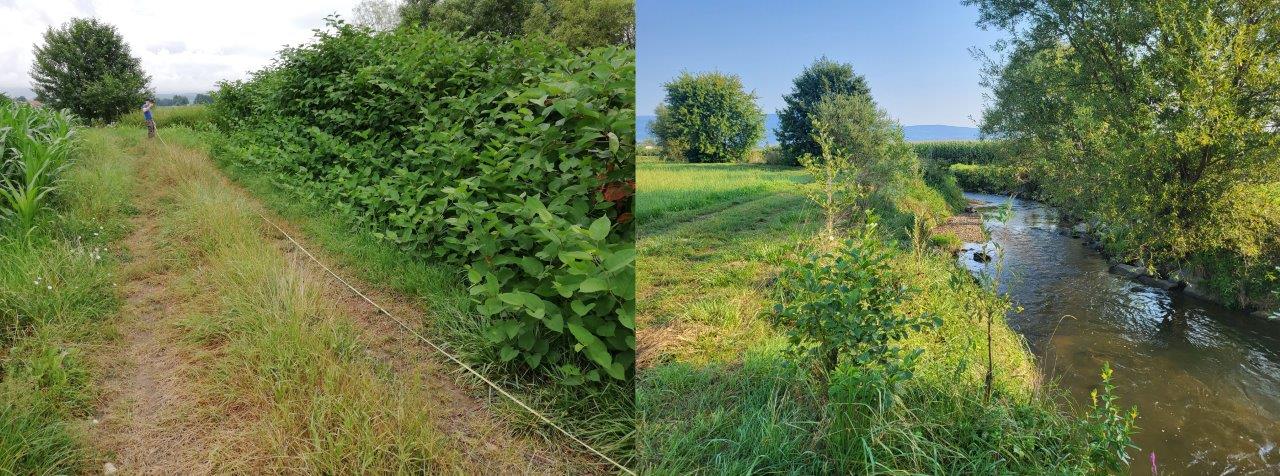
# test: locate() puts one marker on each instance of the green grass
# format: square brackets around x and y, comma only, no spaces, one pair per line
[57,295]
[717,394]
[272,343]
[193,116]
[672,193]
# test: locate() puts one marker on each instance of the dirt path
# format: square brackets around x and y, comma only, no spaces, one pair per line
[147,424]
[151,420]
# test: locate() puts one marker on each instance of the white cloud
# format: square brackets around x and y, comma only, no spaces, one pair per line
[185,46]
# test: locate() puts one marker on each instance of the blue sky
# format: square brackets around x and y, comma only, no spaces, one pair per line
[914,54]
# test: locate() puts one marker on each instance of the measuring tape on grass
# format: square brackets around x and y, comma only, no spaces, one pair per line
[444,352]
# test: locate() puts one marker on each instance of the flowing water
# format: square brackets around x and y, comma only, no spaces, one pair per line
[1205,379]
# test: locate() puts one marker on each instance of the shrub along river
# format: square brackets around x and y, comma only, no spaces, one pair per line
[1205,379]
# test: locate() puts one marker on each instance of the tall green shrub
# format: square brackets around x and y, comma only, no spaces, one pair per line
[822,79]
[707,117]
[514,159]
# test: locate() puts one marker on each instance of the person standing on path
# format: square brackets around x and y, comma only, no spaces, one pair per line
[146,115]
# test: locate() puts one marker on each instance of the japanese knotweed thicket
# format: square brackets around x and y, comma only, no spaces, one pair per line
[512,158]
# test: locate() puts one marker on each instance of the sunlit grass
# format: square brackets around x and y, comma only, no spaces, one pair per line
[718,395]
[318,403]
[671,192]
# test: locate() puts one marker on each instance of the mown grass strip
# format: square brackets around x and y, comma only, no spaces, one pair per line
[298,389]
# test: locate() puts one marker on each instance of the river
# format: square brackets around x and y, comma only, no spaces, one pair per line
[1205,379]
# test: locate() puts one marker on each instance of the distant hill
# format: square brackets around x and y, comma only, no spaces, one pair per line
[29,94]
[918,133]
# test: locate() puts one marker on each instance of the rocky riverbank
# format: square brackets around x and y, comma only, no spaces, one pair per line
[1186,282]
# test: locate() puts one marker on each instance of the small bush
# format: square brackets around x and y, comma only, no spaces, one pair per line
[945,241]
[773,155]
[841,307]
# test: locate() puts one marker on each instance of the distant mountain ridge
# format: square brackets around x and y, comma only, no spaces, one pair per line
[915,133]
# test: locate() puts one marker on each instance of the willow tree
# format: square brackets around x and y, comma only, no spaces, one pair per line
[1147,115]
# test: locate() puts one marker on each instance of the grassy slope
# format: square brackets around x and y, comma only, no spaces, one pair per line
[57,297]
[717,396]
[603,417]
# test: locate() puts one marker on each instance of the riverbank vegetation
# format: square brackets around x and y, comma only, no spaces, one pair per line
[1155,122]
[802,320]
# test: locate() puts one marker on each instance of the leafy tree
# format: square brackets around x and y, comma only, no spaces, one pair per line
[180,100]
[879,158]
[576,23]
[475,17]
[203,99]
[1145,115]
[415,12]
[85,66]
[379,15]
[4,98]
[585,23]
[709,118]
[822,79]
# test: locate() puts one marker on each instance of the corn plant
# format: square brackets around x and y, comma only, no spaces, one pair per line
[35,147]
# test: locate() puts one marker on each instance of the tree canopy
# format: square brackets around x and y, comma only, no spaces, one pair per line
[1145,115]
[823,78]
[854,127]
[577,23]
[707,117]
[86,66]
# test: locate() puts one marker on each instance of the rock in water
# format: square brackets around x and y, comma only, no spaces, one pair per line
[1127,271]
[1158,283]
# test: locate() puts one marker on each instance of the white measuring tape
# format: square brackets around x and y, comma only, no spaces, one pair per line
[442,351]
